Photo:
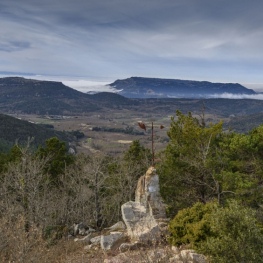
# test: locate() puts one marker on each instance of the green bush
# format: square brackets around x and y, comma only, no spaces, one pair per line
[224,234]
[237,236]
[192,225]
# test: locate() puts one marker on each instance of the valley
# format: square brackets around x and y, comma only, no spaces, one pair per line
[107,131]
[108,122]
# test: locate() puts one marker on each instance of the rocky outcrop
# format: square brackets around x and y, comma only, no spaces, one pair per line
[143,230]
[148,194]
[109,241]
[141,226]
[144,217]
[81,229]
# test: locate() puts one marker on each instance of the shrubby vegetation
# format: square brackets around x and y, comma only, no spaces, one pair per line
[14,131]
[225,234]
[202,163]
[211,181]
[45,191]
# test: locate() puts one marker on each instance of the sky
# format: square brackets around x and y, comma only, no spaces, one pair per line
[94,42]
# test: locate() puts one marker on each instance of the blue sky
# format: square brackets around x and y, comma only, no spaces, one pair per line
[105,40]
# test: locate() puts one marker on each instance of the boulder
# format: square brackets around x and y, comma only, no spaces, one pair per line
[130,246]
[107,242]
[141,226]
[81,229]
[95,240]
[190,255]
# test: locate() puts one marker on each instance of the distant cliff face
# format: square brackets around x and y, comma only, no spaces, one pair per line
[137,87]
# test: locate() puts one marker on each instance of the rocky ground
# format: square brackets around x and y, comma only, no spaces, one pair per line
[141,236]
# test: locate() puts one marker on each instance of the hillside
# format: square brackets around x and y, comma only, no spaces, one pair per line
[245,123]
[138,87]
[27,96]
[12,130]
[20,95]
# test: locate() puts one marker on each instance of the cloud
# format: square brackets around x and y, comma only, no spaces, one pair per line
[237,96]
[210,40]
[89,86]
[12,46]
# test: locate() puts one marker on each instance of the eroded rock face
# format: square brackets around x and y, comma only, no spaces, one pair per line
[142,217]
[148,194]
[107,242]
[141,226]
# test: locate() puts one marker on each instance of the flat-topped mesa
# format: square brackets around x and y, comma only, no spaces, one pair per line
[148,194]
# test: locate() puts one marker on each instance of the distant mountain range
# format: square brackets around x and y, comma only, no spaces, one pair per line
[50,98]
[138,87]
[20,95]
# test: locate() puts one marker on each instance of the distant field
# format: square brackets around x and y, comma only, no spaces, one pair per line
[115,122]
[109,142]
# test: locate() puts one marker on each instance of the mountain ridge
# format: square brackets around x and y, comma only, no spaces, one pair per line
[140,87]
[19,94]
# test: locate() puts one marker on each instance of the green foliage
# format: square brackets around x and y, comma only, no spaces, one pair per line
[243,154]
[224,234]
[58,158]
[13,130]
[237,236]
[14,155]
[202,162]
[139,157]
[191,163]
[137,153]
[191,225]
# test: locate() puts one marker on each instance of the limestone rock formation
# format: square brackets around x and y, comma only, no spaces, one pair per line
[108,242]
[143,216]
[144,224]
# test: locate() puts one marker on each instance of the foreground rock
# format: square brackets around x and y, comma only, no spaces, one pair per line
[141,237]
[143,217]
[109,241]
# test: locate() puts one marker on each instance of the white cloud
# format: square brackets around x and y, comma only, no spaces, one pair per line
[89,86]
[237,96]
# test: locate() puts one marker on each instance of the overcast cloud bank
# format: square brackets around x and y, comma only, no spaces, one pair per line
[218,41]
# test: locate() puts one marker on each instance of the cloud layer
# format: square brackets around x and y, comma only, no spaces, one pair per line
[189,39]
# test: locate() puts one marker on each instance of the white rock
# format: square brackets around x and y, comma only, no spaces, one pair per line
[191,255]
[118,226]
[185,253]
[107,242]
[95,240]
